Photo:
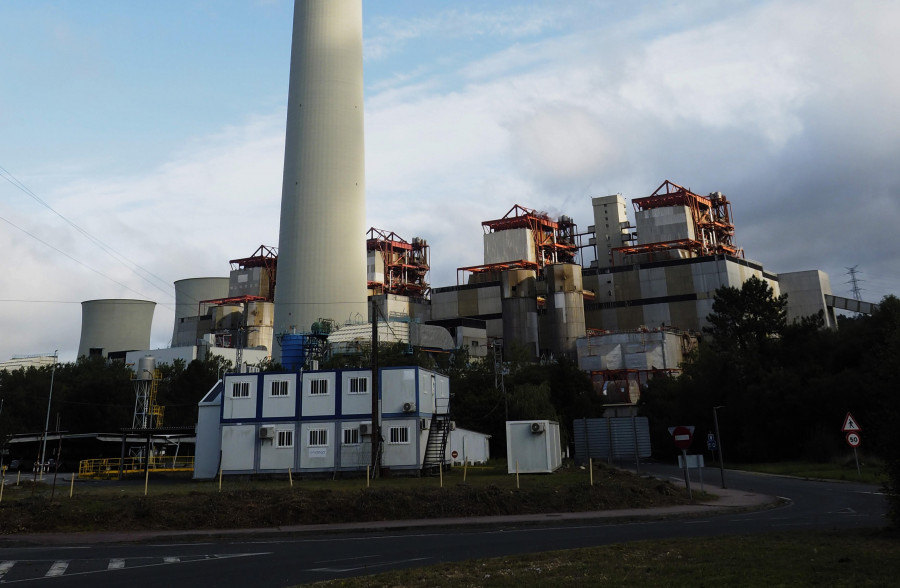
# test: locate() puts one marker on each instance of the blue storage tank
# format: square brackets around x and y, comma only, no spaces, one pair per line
[293,352]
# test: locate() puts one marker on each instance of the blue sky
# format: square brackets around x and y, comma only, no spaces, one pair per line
[157,128]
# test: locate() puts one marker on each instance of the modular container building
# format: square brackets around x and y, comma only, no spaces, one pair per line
[533,447]
[321,421]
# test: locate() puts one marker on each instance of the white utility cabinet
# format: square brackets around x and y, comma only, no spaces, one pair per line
[533,446]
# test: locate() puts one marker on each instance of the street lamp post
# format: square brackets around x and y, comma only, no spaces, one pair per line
[47,422]
[719,444]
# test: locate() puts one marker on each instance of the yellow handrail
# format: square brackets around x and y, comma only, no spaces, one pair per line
[110,466]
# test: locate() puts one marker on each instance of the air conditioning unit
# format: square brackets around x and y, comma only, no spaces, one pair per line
[537,428]
[424,424]
[409,407]
[267,432]
[365,428]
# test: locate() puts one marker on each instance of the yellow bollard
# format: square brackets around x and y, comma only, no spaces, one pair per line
[146,481]
[220,479]
[2,484]
[290,477]
[72,485]
[441,470]
[591,468]
[517,474]
[18,475]
[465,466]
[367,476]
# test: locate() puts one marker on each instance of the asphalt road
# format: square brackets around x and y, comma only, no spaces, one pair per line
[289,560]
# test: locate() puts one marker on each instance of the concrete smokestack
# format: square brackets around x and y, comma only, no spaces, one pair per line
[321,245]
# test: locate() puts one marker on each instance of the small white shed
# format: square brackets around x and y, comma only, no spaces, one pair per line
[533,447]
[470,446]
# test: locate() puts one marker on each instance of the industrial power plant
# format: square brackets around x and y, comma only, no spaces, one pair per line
[629,312]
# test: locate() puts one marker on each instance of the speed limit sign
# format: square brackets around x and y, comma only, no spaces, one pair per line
[853,439]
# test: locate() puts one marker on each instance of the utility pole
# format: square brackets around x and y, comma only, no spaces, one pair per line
[499,382]
[376,425]
[719,440]
[47,421]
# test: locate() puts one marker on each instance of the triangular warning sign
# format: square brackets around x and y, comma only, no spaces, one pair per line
[850,424]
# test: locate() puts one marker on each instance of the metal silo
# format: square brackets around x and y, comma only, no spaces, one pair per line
[321,247]
[518,294]
[565,307]
[188,294]
[115,325]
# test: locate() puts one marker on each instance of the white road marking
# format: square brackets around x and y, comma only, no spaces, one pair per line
[116,564]
[5,566]
[57,569]
[171,559]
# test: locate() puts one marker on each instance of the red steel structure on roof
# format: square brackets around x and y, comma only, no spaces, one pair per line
[711,217]
[405,264]
[265,257]
[554,241]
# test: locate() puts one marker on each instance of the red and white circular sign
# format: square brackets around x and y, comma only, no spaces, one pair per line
[853,439]
[454,454]
[682,437]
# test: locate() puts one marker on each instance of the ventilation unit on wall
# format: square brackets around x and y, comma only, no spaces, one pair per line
[267,432]
[537,428]
[365,428]
[409,407]
[424,424]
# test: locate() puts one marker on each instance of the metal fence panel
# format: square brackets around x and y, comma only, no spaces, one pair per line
[611,438]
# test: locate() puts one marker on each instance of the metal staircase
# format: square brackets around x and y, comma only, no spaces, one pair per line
[436,446]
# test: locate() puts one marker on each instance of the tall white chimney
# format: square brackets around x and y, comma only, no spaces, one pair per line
[321,245]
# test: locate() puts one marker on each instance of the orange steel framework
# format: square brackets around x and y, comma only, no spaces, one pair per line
[554,241]
[265,257]
[405,264]
[711,216]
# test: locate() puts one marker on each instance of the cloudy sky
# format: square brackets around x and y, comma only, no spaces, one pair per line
[142,142]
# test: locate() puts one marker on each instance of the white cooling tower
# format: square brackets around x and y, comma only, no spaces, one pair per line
[321,246]
[189,292]
[115,325]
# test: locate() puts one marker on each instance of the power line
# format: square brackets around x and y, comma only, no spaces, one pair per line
[61,252]
[132,266]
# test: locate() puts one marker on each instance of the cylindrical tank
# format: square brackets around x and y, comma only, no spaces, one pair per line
[519,308]
[565,307]
[321,245]
[188,294]
[113,325]
[145,368]
[293,351]
[258,317]
[259,314]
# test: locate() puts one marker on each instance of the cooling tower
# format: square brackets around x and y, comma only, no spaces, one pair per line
[115,325]
[188,294]
[321,245]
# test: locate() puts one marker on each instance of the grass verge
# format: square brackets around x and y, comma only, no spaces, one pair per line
[813,558]
[174,505]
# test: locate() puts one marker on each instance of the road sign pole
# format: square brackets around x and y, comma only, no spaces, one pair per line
[687,475]
[856,457]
